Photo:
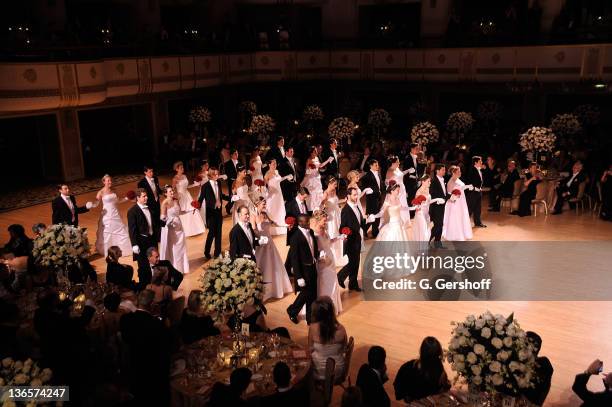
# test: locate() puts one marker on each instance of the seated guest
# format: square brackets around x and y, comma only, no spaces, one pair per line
[532,179]
[196,325]
[148,342]
[285,395]
[491,178]
[606,194]
[568,187]
[424,376]
[19,245]
[352,397]
[223,395]
[592,399]
[109,322]
[38,229]
[257,323]
[174,277]
[372,376]
[544,372]
[162,291]
[117,273]
[506,189]
[81,272]
[326,338]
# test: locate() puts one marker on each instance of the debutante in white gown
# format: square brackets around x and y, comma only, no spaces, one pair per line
[398,177]
[272,266]
[420,224]
[312,182]
[243,199]
[457,225]
[327,280]
[256,170]
[332,209]
[172,244]
[111,229]
[190,217]
[276,205]
[394,228]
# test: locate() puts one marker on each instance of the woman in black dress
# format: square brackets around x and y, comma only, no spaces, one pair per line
[117,273]
[532,179]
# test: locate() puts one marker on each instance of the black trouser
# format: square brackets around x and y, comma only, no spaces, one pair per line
[562,189]
[352,267]
[214,222]
[230,204]
[306,296]
[144,268]
[436,213]
[474,201]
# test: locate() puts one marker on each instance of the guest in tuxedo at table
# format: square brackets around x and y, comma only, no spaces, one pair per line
[327,338]
[150,184]
[286,167]
[117,273]
[194,324]
[162,291]
[437,190]
[277,152]
[506,188]
[568,187]
[532,179]
[330,154]
[141,229]
[422,377]
[474,178]
[19,244]
[372,376]
[543,373]
[148,341]
[590,398]
[243,239]
[304,253]
[212,196]
[173,278]
[413,169]
[606,194]
[223,395]
[230,170]
[362,163]
[492,178]
[285,394]
[64,207]
[373,186]
[352,218]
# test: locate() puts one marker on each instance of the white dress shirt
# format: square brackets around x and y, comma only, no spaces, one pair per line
[414,160]
[247,232]
[215,188]
[302,206]
[147,214]
[441,180]
[153,188]
[68,201]
[282,151]
[572,179]
[306,233]
[375,173]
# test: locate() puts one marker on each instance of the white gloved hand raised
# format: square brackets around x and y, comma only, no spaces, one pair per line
[288,178]
[371,218]
[368,191]
[411,170]
[301,282]
[89,205]
[469,187]
[136,249]
[223,177]
[322,255]
[235,198]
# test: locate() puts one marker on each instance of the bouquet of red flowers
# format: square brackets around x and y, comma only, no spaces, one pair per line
[196,204]
[260,183]
[290,220]
[131,195]
[346,231]
[252,168]
[418,200]
[456,192]
[391,183]
[312,166]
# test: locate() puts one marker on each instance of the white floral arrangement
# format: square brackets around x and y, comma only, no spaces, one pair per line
[492,353]
[489,110]
[588,114]
[312,113]
[23,373]
[262,125]
[538,139]
[565,125]
[61,246]
[228,285]
[248,107]
[460,122]
[379,120]
[200,114]
[341,127]
[424,133]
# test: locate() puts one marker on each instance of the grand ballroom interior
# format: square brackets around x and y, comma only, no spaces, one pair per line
[217,202]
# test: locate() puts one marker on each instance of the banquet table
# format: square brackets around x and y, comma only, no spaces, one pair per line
[197,367]
[470,400]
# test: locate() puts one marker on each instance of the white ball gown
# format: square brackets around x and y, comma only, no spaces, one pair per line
[192,220]
[272,266]
[111,229]
[242,193]
[394,228]
[172,244]
[276,205]
[256,169]
[327,280]
[398,177]
[457,225]
[312,182]
[332,208]
[421,232]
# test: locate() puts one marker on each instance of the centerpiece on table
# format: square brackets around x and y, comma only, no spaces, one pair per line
[538,141]
[460,123]
[342,129]
[61,246]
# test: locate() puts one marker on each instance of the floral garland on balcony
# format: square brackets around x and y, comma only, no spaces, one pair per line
[200,114]
[538,139]
[460,122]
[379,120]
[565,125]
[424,133]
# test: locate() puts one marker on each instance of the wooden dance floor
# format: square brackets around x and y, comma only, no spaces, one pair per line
[573,333]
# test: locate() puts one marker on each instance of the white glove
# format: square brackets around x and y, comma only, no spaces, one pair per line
[223,177]
[368,191]
[288,178]
[235,198]
[477,189]
[322,255]
[125,199]
[263,240]
[342,236]
[136,249]
[439,201]
[301,282]
[371,218]
[411,170]
[330,159]
[412,176]
[469,187]
[89,205]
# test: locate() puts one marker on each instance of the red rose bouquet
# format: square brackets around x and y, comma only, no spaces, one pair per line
[346,231]
[131,195]
[195,204]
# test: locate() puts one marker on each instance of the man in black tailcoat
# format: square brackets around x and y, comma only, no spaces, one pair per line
[437,190]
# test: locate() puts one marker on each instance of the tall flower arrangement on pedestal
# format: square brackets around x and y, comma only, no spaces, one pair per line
[61,246]
[379,121]
[312,113]
[539,141]
[200,115]
[491,353]
[229,285]
[460,123]
[565,125]
[342,129]
[424,133]
[261,127]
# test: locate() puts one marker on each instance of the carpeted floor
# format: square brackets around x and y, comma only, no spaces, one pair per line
[45,193]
